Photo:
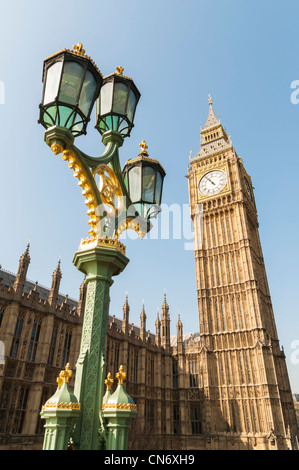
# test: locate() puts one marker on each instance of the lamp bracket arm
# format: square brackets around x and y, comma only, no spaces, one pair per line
[110,151]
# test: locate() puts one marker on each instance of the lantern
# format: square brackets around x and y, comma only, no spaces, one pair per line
[117,104]
[143,177]
[71,85]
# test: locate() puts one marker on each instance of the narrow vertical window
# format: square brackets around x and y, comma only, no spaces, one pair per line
[176,420]
[66,348]
[235,313]
[229,228]
[1,315]
[193,373]
[175,373]
[52,345]
[33,340]
[17,336]
[196,423]
[20,410]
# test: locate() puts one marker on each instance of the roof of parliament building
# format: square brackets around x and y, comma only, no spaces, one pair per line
[8,279]
[41,295]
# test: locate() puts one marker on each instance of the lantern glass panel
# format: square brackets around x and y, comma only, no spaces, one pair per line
[135,183]
[106,98]
[87,92]
[52,83]
[158,189]
[120,98]
[71,82]
[148,185]
[131,106]
[66,117]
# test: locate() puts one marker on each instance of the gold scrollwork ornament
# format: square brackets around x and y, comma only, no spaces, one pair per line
[110,189]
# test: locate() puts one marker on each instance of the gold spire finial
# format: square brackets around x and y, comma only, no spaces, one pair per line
[143,147]
[79,48]
[121,375]
[109,381]
[210,100]
[119,70]
[64,376]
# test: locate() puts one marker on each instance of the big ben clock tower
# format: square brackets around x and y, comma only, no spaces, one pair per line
[247,396]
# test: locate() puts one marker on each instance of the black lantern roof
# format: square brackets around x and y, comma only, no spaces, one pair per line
[143,177]
[72,83]
[117,102]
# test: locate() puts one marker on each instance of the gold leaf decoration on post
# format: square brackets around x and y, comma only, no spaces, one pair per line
[143,147]
[87,190]
[56,149]
[121,375]
[64,376]
[79,48]
[119,70]
[109,381]
[110,189]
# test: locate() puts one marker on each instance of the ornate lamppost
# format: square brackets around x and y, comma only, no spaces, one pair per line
[116,201]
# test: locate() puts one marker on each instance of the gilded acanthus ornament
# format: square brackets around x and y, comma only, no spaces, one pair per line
[79,48]
[109,381]
[64,376]
[121,375]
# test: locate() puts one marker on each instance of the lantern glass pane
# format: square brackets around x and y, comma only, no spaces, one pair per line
[131,106]
[71,82]
[106,98]
[135,183]
[87,93]
[158,189]
[49,116]
[52,82]
[149,181]
[65,117]
[120,98]
[78,124]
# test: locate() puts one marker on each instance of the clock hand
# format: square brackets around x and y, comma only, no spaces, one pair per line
[211,181]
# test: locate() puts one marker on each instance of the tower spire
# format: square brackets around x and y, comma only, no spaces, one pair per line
[212,120]
[56,278]
[213,136]
[165,324]
[126,311]
[22,272]
[143,323]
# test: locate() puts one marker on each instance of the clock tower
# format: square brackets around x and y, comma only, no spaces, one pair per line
[247,400]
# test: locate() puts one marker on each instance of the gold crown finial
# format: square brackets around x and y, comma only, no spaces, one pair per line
[79,48]
[143,147]
[210,100]
[109,381]
[64,376]
[121,375]
[119,70]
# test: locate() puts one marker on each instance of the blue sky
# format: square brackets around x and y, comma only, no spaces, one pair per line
[244,53]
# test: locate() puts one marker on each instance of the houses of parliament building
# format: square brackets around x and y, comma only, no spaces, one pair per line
[224,388]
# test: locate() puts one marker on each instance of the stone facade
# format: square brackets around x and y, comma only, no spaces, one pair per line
[244,376]
[226,387]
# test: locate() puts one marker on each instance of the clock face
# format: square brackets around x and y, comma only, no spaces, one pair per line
[212,182]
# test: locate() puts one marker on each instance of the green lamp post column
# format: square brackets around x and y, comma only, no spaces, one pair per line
[60,413]
[118,410]
[72,85]
[99,263]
